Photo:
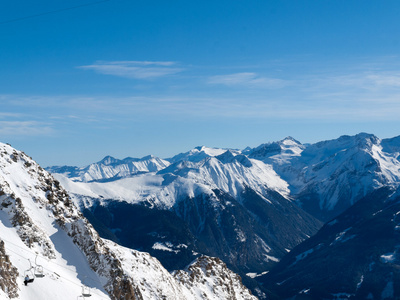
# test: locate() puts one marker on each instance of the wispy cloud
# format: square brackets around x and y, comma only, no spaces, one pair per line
[8,115]
[135,69]
[367,81]
[25,128]
[247,79]
[318,104]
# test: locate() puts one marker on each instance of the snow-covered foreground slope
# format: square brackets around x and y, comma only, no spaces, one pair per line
[43,233]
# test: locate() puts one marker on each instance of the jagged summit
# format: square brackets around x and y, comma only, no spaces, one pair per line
[110,168]
[199,153]
[108,160]
[277,152]
[329,176]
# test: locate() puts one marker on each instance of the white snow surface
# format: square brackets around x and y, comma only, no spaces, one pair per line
[345,168]
[199,153]
[66,266]
[110,167]
[278,153]
[68,271]
[228,172]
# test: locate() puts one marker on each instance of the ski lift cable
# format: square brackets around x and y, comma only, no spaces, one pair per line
[51,271]
[52,12]
[45,268]
[45,258]
[49,261]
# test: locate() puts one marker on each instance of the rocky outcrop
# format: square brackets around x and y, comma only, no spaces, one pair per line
[8,274]
[210,276]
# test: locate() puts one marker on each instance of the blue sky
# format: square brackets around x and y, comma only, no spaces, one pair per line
[132,78]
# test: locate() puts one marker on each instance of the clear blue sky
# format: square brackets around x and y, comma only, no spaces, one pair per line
[132,78]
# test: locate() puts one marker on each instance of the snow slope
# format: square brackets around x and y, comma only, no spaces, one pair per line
[277,153]
[41,231]
[31,235]
[355,256]
[213,279]
[198,154]
[329,176]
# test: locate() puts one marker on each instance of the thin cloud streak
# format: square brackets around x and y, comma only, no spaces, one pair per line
[111,110]
[367,81]
[25,128]
[247,79]
[360,95]
[134,69]
[8,115]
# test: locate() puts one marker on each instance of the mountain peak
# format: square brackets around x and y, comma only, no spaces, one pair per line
[147,157]
[108,160]
[290,140]
[197,154]
[227,156]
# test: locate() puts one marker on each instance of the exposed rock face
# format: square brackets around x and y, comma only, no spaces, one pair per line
[8,274]
[211,276]
[250,236]
[26,186]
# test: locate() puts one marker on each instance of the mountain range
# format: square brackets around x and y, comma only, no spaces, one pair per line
[298,221]
[248,207]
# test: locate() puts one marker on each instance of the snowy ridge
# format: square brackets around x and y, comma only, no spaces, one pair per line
[335,174]
[110,167]
[211,278]
[206,277]
[324,178]
[198,154]
[277,152]
[32,207]
[41,231]
[227,172]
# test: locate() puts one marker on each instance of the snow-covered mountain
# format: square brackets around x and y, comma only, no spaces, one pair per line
[198,154]
[354,256]
[328,177]
[44,235]
[163,189]
[245,207]
[111,168]
[215,202]
[277,153]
